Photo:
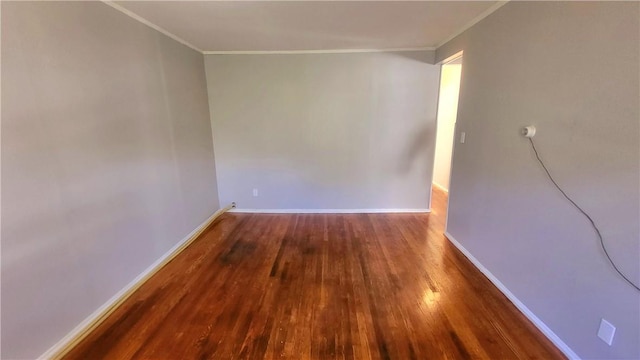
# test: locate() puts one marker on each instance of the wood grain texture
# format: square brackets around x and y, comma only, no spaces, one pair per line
[319,286]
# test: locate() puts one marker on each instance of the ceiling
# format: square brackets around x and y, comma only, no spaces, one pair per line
[236,26]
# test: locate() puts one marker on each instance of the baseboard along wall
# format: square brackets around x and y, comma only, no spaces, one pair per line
[75,336]
[555,339]
[328,211]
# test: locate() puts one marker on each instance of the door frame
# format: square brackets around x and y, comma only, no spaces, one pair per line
[455,57]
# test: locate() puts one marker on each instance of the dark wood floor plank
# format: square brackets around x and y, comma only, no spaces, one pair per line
[319,286]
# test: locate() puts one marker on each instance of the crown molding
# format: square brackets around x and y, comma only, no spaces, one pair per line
[327,51]
[475,20]
[150,24]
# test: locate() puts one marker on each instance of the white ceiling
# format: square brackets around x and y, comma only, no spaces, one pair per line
[228,26]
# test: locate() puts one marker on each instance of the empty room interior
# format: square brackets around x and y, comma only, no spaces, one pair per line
[320,180]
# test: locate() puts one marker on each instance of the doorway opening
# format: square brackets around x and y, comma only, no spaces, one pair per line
[450,76]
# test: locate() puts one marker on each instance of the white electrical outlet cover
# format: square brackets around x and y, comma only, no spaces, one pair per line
[606,331]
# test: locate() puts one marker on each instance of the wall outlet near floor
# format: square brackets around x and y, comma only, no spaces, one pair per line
[255,192]
[606,331]
[463,137]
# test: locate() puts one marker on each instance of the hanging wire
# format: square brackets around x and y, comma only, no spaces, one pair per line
[593,224]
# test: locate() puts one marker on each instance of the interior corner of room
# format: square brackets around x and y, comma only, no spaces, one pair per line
[377,144]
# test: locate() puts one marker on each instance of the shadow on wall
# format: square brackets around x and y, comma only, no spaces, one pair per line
[426,57]
[420,146]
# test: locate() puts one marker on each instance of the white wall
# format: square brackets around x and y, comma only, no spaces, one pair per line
[107,161]
[324,131]
[447,112]
[572,69]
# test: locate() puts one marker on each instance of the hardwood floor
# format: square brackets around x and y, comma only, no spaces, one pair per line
[328,286]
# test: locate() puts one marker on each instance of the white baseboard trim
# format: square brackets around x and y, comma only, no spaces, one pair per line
[76,335]
[522,307]
[328,211]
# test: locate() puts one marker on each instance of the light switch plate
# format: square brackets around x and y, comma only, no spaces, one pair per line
[606,331]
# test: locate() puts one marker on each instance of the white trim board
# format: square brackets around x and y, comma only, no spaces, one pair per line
[475,20]
[555,339]
[326,51]
[87,325]
[328,211]
[139,18]
[148,23]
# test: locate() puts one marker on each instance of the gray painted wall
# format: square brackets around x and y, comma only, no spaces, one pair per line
[572,69]
[324,131]
[107,161]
